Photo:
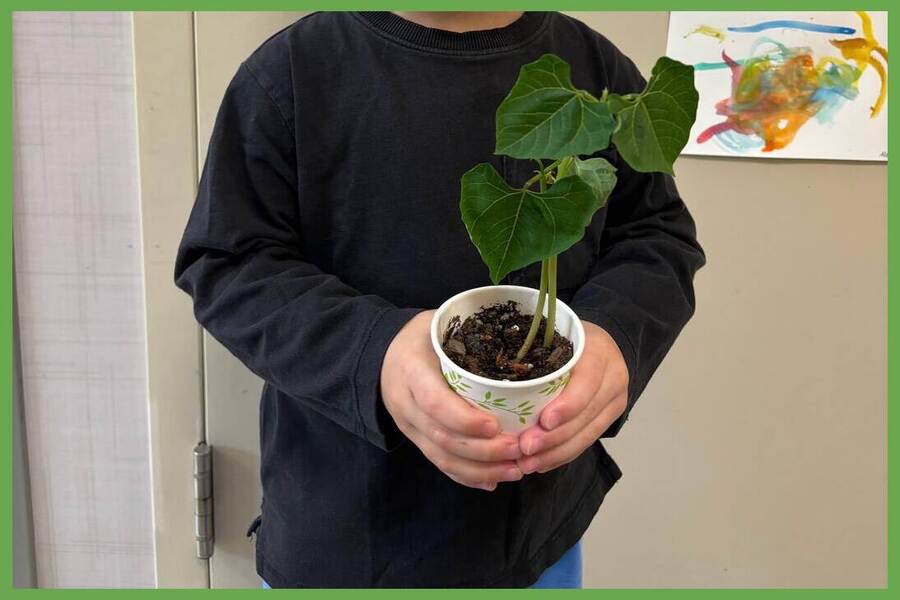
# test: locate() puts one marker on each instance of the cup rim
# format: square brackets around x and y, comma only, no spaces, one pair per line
[510,385]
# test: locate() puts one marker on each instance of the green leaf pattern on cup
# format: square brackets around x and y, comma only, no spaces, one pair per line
[489,401]
[555,385]
[456,383]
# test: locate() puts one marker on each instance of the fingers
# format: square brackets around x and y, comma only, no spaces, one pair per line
[575,397]
[473,462]
[572,448]
[451,412]
[470,473]
[612,392]
[537,439]
[499,448]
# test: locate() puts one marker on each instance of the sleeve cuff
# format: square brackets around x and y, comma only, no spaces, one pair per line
[375,423]
[612,327]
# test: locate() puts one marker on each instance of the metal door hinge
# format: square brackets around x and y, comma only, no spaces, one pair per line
[203,500]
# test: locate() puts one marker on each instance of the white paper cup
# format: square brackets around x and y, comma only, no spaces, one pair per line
[516,404]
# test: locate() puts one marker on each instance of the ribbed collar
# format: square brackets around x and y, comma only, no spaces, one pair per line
[517,33]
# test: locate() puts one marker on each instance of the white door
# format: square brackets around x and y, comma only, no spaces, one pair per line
[222,41]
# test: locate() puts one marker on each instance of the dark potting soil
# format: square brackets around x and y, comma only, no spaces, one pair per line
[487,342]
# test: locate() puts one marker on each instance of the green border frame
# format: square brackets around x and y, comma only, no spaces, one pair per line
[893,224]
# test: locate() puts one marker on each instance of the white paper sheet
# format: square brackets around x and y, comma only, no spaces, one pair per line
[804,99]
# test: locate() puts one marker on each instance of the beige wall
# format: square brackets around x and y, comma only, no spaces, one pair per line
[756,457]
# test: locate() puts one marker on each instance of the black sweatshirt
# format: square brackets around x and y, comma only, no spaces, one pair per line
[328,215]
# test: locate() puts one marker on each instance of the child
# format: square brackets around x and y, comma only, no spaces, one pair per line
[327,223]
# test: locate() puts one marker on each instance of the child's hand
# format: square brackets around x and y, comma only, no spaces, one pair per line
[461,440]
[596,396]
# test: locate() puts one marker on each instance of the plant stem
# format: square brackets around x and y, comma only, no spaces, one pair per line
[548,279]
[538,315]
[564,167]
[539,177]
[549,329]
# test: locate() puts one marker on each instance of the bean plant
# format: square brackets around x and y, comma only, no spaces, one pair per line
[544,118]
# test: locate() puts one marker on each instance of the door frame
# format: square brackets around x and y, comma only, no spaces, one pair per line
[166,112]
[222,40]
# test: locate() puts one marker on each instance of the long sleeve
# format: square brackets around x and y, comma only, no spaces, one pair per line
[641,287]
[302,330]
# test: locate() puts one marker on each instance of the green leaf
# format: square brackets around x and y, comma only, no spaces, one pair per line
[654,126]
[599,174]
[616,102]
[544,116]
[513,228]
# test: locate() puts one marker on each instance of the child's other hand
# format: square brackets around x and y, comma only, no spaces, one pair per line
[596,396]
[459,439]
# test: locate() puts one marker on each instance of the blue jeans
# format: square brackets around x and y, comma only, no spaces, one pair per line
[563,574]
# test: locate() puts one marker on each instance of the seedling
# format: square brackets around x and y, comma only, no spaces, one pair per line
[544,118]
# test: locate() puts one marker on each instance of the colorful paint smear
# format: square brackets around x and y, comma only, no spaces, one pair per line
[715,66]
[708,31]
[773,94]
[802,25]
[860,51]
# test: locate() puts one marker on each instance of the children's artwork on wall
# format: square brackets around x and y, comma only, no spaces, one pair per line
[786,84]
